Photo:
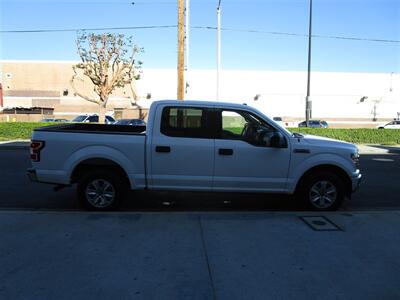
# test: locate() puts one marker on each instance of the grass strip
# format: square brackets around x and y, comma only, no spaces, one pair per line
[23,130]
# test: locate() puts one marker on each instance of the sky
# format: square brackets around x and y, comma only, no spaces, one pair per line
[254,36]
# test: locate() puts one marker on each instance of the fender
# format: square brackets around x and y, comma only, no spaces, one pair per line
[298,171]
[135,173]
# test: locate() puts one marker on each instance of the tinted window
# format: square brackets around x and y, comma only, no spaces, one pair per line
[93,119]
[185,122]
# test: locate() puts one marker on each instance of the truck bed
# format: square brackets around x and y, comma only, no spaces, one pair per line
[95,128]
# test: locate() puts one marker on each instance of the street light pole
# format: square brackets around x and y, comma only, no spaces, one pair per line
[218,46]
[308,101]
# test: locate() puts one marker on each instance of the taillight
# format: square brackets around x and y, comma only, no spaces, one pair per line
[36,146]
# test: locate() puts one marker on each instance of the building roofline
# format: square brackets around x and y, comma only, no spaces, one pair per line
[196,70]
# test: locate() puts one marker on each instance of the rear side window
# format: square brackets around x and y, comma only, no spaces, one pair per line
[185,122]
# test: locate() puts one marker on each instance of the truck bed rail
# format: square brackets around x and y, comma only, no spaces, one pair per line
[95,128]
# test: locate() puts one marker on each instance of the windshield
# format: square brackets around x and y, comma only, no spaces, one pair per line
[79,119]
[110,119]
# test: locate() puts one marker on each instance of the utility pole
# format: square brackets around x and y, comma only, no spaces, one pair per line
[181,48]
[187,36]
[308,101]
[218,46]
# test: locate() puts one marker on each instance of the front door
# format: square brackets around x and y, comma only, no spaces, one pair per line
[242,162]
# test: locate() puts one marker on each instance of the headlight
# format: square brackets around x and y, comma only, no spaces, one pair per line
[355,157]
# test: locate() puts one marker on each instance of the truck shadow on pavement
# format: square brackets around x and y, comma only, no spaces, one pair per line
[205,201]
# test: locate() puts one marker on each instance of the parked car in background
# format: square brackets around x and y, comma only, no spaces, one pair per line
[132,122]
[54,120]
[314,124]
[92,119]
[395,124]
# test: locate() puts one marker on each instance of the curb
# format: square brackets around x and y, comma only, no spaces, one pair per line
[11,210]
[378,149]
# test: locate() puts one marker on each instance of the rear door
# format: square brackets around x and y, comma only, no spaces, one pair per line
[182,149]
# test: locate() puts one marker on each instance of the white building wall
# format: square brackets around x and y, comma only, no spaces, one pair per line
[334,95]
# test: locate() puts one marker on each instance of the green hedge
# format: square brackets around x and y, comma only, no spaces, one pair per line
[19,130]
[356,136]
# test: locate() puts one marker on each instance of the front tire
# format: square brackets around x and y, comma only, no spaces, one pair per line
[322,192]
[101,191]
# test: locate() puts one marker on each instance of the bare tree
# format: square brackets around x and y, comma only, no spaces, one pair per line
[108,60]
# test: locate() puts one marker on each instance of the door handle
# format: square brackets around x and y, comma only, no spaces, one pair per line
[163,149]
[225,151]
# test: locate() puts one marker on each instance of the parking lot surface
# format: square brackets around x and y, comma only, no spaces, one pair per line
[380,190]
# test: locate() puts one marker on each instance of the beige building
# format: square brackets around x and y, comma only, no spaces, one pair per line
[47,84]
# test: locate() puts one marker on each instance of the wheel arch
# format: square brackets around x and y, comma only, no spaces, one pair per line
[98,163]
[330,169]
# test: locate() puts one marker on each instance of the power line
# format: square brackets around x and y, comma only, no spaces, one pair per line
[88,29]
[206,28]
[298,34]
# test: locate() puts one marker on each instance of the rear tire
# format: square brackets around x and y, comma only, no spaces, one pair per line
[322,191]
[101,190]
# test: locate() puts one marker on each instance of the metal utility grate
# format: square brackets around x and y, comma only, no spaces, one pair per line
[320,223]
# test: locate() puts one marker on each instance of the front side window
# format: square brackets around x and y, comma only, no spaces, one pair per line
[242,125]
[185,122]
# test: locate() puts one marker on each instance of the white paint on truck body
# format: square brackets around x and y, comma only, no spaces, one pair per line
[194,163]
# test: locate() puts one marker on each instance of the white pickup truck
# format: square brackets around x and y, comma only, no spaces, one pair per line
[194,146]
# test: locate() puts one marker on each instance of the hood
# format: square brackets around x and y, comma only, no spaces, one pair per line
[324,141]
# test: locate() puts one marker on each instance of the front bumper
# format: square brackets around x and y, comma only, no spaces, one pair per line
[32,175]
[356,178]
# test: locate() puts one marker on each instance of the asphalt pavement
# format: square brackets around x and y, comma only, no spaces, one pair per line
[380,189]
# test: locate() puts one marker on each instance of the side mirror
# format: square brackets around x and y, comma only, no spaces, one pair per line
[278,140]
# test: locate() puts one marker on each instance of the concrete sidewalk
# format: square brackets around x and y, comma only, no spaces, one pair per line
[79,255]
